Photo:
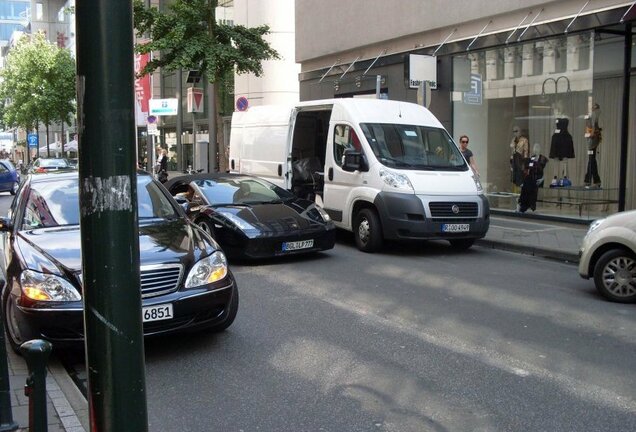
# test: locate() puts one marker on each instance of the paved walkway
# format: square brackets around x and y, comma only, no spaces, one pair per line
[68,409]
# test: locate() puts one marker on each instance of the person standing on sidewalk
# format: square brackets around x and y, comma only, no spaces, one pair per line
[468,155]
[162,166]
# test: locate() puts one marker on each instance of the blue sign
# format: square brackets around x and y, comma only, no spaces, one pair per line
[474,96]
[33,140]
[242,103]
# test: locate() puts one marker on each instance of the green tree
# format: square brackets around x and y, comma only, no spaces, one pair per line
[188,37]
[38,84]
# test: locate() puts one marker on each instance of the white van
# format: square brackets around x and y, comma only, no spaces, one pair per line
[382,169]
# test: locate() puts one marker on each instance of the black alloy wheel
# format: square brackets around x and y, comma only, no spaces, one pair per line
[206,226]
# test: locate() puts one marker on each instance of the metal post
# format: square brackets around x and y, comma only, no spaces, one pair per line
[6,416]
[627,61]
[212,126]
[378,84]
[179,131]
[194,140]
[108,217]
[36,353]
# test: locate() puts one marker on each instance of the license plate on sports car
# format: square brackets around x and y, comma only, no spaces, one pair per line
[157,312]
[454,228]
[297,245]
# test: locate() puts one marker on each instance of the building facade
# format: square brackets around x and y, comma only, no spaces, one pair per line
[558,73]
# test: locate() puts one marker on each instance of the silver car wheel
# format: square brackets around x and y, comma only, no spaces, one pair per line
[619,276]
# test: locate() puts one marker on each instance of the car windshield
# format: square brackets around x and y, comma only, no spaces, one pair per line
[241,190]
[413,147]
[56,203]
[54,163]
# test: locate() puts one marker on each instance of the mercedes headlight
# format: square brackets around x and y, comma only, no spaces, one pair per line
[47,287]
[396,180]
[210,269]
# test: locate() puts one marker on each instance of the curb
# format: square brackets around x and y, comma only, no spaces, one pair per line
[559,255]
[71,406]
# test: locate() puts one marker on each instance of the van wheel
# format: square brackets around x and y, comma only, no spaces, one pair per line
[367,230]
[461,244]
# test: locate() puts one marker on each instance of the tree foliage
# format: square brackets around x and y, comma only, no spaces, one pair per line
[38,84]
[188,37]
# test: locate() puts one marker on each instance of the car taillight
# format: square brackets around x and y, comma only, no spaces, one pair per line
[40,170]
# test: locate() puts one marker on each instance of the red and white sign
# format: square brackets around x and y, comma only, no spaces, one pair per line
[195,100]
[142,88]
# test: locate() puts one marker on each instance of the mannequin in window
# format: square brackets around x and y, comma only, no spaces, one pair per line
[533,179]
[562,145]
[593,138]
[519,149]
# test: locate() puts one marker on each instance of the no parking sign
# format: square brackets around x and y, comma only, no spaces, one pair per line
[242,104]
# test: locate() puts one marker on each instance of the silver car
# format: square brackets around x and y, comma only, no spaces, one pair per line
[608,254]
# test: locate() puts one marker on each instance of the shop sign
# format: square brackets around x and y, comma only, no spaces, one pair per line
[422,68]
[474,96]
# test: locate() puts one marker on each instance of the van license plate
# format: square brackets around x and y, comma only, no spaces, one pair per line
[157,313]
[454,228]
[297,245]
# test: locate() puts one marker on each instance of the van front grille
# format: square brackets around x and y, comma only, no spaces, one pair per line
[445,210]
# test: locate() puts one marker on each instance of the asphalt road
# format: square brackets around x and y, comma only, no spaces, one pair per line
[416,338]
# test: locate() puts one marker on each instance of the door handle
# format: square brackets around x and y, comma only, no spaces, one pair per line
[330,174]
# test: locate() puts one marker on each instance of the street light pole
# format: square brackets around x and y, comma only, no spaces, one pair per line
[108,216]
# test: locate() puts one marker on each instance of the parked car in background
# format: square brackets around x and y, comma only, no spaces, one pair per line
[251,217]
[42,165]
[9,177]
[185,280]
[608,254]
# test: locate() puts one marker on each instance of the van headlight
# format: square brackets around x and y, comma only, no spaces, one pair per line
[47,287]
[396,180]
[210,269]
[477,183]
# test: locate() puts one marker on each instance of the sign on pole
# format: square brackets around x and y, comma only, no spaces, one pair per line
[195,100]
[242,104]
[32,140]
[163,107]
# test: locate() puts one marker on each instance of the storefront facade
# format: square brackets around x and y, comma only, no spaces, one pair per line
[544,102]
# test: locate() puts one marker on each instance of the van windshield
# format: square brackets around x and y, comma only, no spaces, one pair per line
[413,147]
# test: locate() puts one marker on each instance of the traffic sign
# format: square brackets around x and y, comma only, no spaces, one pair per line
[163,107]
[242,103]
[33,140]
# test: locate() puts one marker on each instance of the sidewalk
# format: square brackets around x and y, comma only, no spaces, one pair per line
[68,409]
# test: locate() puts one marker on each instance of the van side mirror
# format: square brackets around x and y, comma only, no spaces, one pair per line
[353,160]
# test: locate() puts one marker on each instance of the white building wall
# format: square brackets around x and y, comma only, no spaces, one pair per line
[279,81]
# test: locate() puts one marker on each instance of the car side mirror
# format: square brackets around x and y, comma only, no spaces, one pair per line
[353,160]
[5,224]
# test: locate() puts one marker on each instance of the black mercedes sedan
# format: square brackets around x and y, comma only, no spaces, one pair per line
[185,280]
[251,217]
